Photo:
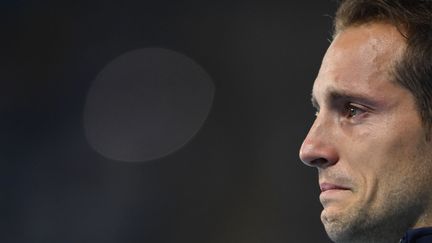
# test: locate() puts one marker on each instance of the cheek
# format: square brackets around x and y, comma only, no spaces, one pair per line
[375,157]
[389,154]
[362,150]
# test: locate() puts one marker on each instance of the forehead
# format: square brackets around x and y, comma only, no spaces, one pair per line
[360,60]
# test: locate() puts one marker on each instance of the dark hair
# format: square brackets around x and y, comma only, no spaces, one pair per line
[413,18]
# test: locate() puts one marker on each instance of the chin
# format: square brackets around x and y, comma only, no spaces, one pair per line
[337,225]
[331,215]
[355,226]
[340,233]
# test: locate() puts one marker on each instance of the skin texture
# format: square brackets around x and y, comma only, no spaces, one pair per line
[368,142]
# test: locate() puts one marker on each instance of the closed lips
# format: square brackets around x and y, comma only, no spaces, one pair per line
[328,186]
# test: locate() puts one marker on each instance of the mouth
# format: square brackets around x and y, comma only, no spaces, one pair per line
[332,187]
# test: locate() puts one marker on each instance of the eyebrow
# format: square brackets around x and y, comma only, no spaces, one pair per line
[335,96]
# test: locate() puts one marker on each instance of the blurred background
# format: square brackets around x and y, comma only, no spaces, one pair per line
[207,154]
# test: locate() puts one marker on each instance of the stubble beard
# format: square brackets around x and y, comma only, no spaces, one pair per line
[382,224]
[405,204]
[358,226]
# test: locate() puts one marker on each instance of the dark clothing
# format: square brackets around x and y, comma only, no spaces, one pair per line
[420,235]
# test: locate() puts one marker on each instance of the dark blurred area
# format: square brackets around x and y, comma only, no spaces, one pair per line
[237,180]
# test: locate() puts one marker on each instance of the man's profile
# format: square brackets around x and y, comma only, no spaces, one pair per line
[371,139]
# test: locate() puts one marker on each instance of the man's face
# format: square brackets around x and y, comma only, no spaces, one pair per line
[368,141]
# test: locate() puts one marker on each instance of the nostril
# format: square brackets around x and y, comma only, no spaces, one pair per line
[321,163]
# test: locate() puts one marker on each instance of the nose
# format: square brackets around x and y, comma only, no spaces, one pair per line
[319,147]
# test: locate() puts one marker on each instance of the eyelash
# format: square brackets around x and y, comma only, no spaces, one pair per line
[351,108]
[347,110]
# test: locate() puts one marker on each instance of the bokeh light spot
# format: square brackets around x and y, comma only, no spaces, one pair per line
[146,104]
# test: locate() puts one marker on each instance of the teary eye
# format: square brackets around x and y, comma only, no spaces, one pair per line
[353,110]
